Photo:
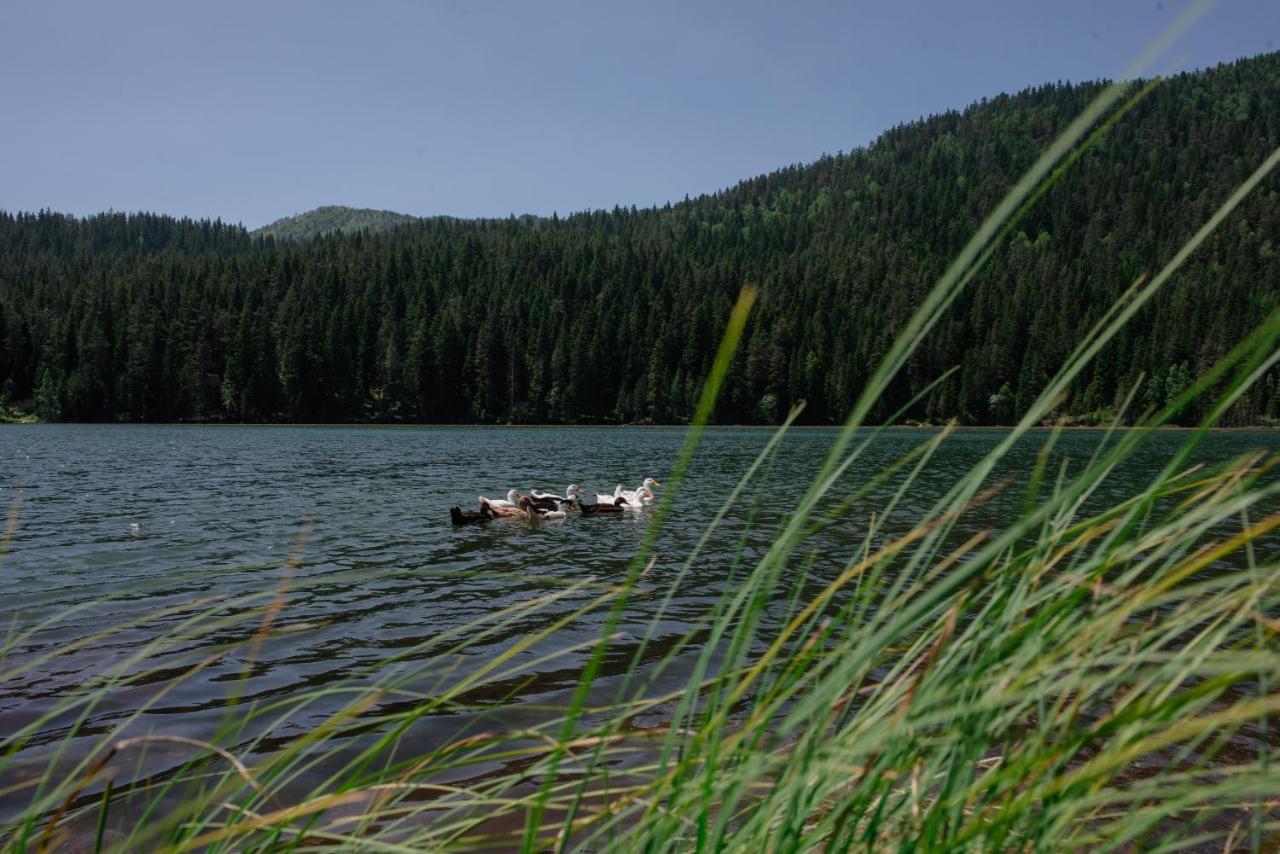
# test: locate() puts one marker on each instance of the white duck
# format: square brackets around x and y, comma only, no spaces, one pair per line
[535,513]
[601,498]
[571,494]
[637,497]
[512,500]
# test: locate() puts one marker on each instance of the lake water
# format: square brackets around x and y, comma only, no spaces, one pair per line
[118,523]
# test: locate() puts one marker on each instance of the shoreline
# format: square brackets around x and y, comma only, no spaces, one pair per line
[334,425]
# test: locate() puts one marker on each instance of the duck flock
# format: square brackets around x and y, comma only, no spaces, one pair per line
[547,505]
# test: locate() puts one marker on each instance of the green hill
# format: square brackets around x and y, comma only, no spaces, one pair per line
[332,219]
[615,315]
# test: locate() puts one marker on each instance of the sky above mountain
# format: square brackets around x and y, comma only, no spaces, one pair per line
[250,111]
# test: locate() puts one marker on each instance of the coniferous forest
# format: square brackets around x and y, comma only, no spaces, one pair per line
[614,316]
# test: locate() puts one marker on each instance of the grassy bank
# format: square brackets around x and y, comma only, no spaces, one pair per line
[1090,673]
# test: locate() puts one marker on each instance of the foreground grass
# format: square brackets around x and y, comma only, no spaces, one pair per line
[1070,681]
[1082,675]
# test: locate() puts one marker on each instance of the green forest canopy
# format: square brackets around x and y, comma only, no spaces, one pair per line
[613,316]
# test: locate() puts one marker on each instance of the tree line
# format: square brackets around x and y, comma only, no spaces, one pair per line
[614,316]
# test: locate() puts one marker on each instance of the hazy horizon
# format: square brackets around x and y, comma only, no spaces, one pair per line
[252,114]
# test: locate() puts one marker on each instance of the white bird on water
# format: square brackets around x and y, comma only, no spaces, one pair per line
[512,500]
[536,513]
[571,494]
[639,496]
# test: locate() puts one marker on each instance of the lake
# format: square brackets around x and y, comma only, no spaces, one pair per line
[126,526]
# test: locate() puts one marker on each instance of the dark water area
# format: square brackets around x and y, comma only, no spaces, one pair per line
[127,526]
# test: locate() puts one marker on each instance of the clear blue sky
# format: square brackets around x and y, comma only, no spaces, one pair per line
[255,110]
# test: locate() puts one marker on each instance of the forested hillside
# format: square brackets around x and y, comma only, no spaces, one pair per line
[332,219]
[615,315]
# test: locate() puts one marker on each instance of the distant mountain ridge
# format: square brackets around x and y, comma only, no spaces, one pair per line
[331,219]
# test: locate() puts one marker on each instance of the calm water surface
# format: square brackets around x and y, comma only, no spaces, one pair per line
[156,517]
